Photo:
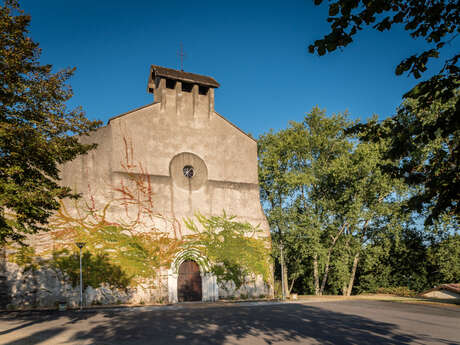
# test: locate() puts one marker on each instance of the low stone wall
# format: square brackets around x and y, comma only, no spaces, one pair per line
[24,288]
[255,288]
[46,287]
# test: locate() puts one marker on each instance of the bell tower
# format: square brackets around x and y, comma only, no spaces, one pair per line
[188,93]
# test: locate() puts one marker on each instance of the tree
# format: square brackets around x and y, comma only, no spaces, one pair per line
[335,197]
[425,154]
[443,254]
[315,144]
[412,133]
[366,198]
[37,131]
[396,259]
[410,258]
[273,153]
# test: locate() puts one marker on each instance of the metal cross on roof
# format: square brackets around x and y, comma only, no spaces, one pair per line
[182,55]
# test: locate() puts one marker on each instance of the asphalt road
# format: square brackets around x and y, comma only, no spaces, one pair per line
[344,322]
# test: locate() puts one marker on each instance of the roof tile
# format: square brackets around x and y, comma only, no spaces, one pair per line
[160,71]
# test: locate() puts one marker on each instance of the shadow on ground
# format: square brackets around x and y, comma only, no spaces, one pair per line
[212,325]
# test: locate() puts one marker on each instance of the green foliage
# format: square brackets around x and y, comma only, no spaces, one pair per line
[374,271]
[424,149]
[339,211]
[423,137]
[139,253]
[409,258]
[292,164]
[325,196]
[436,22]
[419,146]
[236,251]
[232,249]
[444,260]
[37,131]
[26,258]
[97,269]
[402,291]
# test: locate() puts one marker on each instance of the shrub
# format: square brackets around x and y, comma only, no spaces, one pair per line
[403,291]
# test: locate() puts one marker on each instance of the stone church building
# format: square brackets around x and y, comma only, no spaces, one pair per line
[195,160]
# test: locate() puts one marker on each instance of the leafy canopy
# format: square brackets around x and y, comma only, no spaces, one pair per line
[425,132]
[37,131]
[436,21]
[424,144]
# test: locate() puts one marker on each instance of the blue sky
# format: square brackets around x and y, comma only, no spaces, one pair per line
[256,50]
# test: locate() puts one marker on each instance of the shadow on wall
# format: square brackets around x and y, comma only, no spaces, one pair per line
[210,325]
[5,297]
[37,282]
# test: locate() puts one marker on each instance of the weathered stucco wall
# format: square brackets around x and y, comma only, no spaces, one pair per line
[149,138]
[156,141]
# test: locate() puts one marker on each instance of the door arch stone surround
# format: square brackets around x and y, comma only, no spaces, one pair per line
[209,287]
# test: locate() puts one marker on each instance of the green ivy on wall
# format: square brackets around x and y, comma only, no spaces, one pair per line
[97,269]
[233,249]
[126,250]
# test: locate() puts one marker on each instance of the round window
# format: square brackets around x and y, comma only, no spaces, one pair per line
[188,171]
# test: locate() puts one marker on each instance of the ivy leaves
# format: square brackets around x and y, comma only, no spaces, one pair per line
[236,251]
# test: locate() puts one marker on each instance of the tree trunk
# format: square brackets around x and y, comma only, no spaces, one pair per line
[284,275]
[353,273]
[326,272]
[315,274]
[329,253]
[286,282]
[292,285]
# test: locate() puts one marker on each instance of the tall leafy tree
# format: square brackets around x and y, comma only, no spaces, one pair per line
[292,164]
[37,131]
[335,197]
[366,198]
[426,154]
[425,132]
[316,143]
[273,153]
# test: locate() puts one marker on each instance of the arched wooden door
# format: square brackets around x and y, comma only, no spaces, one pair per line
[189,282]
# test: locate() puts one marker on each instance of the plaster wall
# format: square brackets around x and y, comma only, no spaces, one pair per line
[145,142]
[155,142]
[150,137]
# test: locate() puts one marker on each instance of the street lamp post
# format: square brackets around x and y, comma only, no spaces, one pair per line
[81,245]
[283,292]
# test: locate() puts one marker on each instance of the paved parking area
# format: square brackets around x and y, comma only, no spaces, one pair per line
[343,322]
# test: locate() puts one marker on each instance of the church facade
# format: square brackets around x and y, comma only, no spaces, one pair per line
[194,160]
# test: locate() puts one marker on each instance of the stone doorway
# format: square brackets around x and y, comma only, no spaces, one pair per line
[189,287]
